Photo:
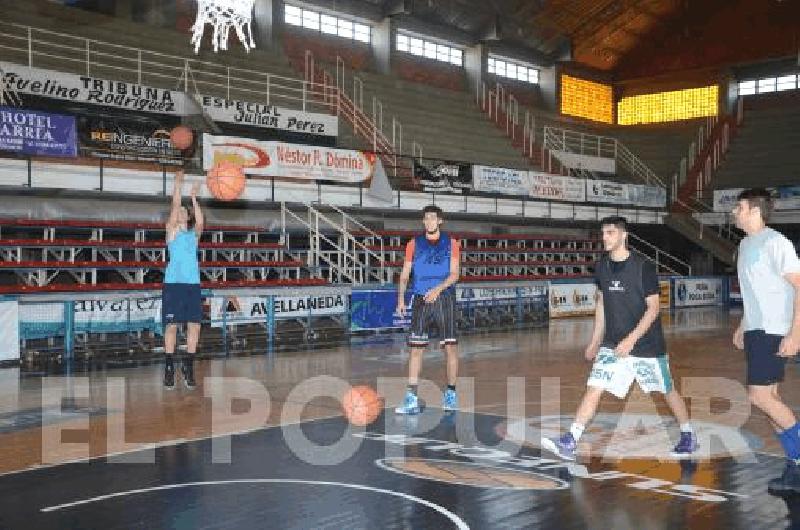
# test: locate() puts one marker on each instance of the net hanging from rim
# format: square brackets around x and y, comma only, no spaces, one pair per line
[224,15]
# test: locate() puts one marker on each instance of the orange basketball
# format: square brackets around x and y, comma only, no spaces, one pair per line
[361,405]
[181,137]
[226,181]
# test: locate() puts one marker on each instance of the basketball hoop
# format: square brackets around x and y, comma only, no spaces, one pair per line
[224,15]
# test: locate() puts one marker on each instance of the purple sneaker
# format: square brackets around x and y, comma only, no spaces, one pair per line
[686,447]
[565,447]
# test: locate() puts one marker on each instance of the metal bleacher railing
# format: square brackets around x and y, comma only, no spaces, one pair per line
[692,180]
[691,186]
[537,135]
[43,48]
[318,89]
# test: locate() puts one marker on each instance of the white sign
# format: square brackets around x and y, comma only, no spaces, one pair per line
[475,294]
[725,200]
[697,292]
[237,310]
[556,187]
[787,198]
[279,159]
[91,316]
[269,116]
[85,89]
[111,315]
[500,180]
[9,330]
[648,196]
[606,191]
[572,299]
[592,163]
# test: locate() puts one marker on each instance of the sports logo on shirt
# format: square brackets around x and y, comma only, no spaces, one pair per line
[616,285]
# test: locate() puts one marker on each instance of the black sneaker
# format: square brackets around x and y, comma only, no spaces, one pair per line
[789,482]
[187,369]
[169,377]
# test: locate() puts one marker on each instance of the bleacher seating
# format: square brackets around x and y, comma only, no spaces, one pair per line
[445,123]
[659,146]
[502,257]
[74,255]
[764,150]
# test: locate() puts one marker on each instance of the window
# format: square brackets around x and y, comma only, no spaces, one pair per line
[669,106]
[586,99]
[787,82]
[310,20]
[361,32]
[345,29]
[747,88]
[766,85]
[415,46]
[327,24]
[402,43]
[518,71]
[293,15]
[442,53]
[431,50]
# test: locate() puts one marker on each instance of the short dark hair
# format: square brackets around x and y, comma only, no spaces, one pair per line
[760,198]
[616,220]
[432,208]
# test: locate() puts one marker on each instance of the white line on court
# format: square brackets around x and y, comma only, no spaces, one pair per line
[457,521]
[165,443]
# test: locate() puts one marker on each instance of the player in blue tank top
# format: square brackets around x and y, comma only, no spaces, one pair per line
[180,299]
[433,263]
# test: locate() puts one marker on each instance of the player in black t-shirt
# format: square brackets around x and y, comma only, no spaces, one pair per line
[627,343]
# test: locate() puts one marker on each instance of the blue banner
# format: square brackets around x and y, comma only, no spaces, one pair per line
[36,133]
[374,309]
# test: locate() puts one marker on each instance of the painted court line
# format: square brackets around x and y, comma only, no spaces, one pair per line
[457,521]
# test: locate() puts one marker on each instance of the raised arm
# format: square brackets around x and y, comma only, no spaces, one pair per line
[176,199]
[199,220]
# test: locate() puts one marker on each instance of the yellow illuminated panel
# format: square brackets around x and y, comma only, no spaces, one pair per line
[586,99]
[668,106]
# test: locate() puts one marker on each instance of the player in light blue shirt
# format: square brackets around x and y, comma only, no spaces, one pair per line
[181,301]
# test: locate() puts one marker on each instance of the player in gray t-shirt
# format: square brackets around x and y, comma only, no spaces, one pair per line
[769,276]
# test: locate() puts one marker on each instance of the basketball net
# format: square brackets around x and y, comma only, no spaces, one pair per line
[224,15]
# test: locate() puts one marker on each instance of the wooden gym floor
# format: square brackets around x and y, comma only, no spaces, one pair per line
[296,463]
